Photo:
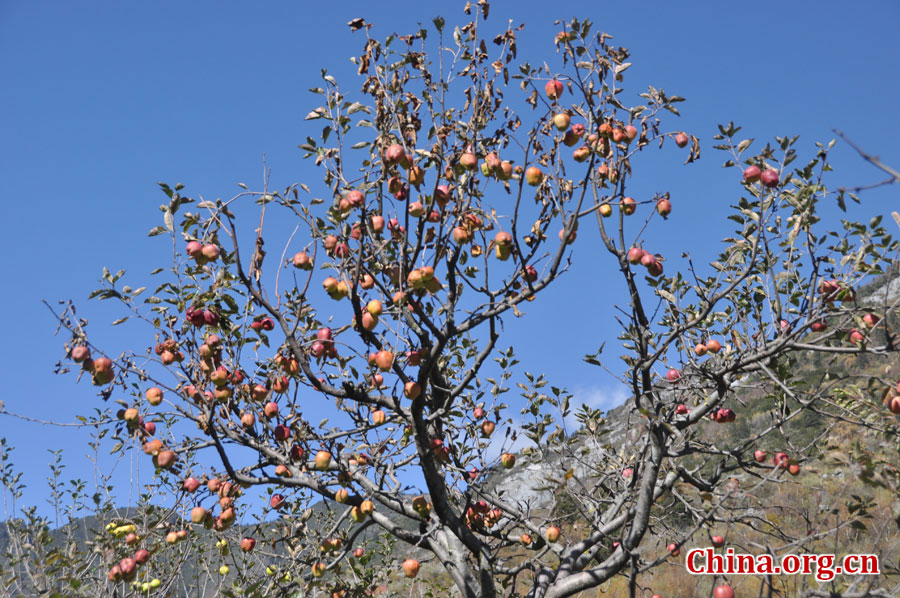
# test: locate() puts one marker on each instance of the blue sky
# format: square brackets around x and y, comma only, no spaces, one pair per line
[100,100]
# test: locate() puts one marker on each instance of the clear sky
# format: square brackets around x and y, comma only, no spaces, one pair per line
[101,99]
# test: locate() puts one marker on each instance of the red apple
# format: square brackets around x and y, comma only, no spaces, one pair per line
[323,460]
[894,405]
[302,261]
[468,160]
[210,252]
[769,177]
[282,433]
[760,456]
[781,460]
[554,89]
[751,174]
[581,154]
[190,484]
[410,567]
[154,395]
[198,515]
[127,566]
[664,207]
[713,346]
[80,354]
[552,534]
[394,154]
[870,320]
[723,592]
[631,132]
[195,250]
[634,255]
[681,139]
[718,541]
[561,121]
[412,390]
[165,459]
[534,176]
[384,360]
[248,544]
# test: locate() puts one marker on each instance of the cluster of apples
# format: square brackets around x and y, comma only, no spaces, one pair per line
[440,450]
[423,278]
[334,247]
[768,177]
[638,255]
[394,155]
[202,253]
[832,290]
[464,232]
[226,492]
[723,416]
[262,323]
[353,199]
[481,515]
[501,169]
[322,346]
[711,346]
[127,568]
[781,461]
[135,421]
[330,545]
[163,458]
[201,316]
[168,352]
[359,513]
[336,289]
[101,369]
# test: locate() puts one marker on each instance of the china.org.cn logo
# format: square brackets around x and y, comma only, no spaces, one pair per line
[704,561]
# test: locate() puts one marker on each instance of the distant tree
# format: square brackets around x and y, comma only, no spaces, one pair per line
[456,181]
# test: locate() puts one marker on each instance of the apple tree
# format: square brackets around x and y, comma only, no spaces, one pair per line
[455,182]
